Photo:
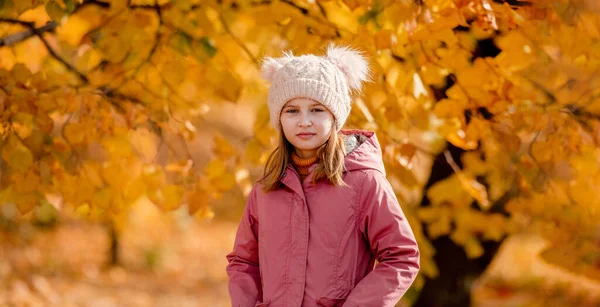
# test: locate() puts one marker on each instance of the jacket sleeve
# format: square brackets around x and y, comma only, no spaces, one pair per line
[245,287]
[392,242]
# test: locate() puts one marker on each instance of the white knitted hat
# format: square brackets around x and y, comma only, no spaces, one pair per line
[327,79]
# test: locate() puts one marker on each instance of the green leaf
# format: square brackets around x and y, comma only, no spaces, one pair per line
[204,48]
[70,6]
[45,213]
[370,14]
[5,5]
[181,42]
[55,11]
[209,46]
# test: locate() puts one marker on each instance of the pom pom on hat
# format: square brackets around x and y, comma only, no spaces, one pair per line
[271,65]
[352,63]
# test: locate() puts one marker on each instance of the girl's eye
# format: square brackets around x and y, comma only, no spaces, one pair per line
[317,110]
[291,111]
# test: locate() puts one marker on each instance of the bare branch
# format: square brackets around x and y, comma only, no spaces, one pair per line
[34,30]
[21,36]
[17,22]
[451,161]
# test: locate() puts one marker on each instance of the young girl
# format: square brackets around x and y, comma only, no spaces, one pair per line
[323,211]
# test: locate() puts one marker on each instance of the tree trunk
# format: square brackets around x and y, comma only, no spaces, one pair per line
[113,256]
[456,271]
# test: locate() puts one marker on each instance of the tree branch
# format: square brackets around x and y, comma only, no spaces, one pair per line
[34,30]
[21,36]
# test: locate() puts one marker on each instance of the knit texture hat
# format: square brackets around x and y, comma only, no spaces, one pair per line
[328,79]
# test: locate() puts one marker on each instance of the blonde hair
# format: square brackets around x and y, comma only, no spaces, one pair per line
[330,158]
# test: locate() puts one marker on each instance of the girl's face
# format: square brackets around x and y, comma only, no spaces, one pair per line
[306,124]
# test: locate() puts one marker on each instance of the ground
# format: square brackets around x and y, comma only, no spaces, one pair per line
[174,260]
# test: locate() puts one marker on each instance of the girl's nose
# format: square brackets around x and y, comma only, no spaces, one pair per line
[305,121]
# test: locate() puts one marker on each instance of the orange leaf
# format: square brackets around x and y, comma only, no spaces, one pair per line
[385,39]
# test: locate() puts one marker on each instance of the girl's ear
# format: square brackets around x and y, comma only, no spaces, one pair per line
[270,65]
[351,62]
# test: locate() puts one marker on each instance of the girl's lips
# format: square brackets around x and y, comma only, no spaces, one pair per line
[305,135]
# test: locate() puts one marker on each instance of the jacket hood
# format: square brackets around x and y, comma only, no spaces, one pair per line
[362,151]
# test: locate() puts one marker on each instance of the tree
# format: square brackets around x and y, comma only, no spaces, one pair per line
[99,100]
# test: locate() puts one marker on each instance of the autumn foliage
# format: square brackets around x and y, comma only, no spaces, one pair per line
[99,101]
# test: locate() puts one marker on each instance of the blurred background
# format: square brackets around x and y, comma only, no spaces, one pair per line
[132,131]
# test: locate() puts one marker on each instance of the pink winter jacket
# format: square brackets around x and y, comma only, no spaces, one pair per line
[307,244]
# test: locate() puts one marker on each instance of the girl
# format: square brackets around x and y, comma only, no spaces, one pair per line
[323,211]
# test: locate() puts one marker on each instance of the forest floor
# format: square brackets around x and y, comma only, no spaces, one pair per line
[174,260]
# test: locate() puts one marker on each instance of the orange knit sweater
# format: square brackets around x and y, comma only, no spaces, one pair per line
[302,165]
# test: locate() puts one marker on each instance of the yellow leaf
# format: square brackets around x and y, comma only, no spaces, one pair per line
[83,210]
[215,169]
[262,118]
[404,173]
[473,248]
[253,151]
[21,74]
[385,39]
[583,191]
[198,199]
[117,146]
[74,29]
[154,176]
[586,163]
[97,212]
[449,190]
[23,124]
[93,174]
[475,189]
[459,139]
[144,143]
[264,136]
[222,147]
[231,88]
[26,202]
[167,198]
[115,174]
[90,58]
[203,214]
[460,236]
[182,166]
[84,191]
[36,142]
[408,151]
[446,108]
[440,227]
[74,133]
[225,182]
[172,72]
[428,214]
[118,205]
[473,164]
[135,190]
[103,198]
[352,4]
[17,155]
[496,229]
